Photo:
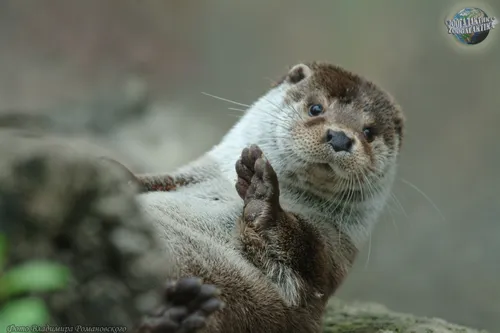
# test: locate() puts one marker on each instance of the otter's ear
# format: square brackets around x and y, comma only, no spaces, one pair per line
[296,74]
[399,126]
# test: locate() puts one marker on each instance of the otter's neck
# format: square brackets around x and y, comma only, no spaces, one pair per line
[353,213]
[254,127]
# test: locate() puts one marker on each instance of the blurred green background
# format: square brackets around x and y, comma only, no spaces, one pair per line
[436,254]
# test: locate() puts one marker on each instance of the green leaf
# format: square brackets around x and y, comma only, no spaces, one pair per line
[35,276]
[23,312]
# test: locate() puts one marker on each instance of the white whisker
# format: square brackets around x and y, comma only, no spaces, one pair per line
[369,250]
[236,109]
[425,196]
[225,99]
[272,81]
[398,203]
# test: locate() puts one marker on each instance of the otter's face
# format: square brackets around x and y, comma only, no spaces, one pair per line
[337,122]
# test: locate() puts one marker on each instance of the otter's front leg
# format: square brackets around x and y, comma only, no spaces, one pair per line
[285,247]
[187,305]
[258,186]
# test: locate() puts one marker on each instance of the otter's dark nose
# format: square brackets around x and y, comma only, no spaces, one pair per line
[338,140]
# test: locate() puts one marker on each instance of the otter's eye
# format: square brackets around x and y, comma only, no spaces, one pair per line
[315,110]
[369,134]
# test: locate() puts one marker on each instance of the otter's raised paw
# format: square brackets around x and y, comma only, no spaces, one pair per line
[188,304]
[258,186]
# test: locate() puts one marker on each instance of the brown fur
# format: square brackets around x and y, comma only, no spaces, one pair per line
[344,86]
[336,82]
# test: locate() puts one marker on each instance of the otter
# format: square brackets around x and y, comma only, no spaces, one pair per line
[317,158]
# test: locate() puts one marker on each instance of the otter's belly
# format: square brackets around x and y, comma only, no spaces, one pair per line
[194,229]
[203,212]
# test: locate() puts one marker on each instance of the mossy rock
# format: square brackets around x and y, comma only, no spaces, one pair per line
[361,317]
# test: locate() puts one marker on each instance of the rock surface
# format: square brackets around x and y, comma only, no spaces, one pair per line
[364,317]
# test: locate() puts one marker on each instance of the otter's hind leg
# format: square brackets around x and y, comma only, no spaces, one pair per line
[188,304]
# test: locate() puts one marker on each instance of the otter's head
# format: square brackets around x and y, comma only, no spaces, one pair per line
[332,123]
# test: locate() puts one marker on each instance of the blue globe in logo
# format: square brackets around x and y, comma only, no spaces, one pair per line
[470,25]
